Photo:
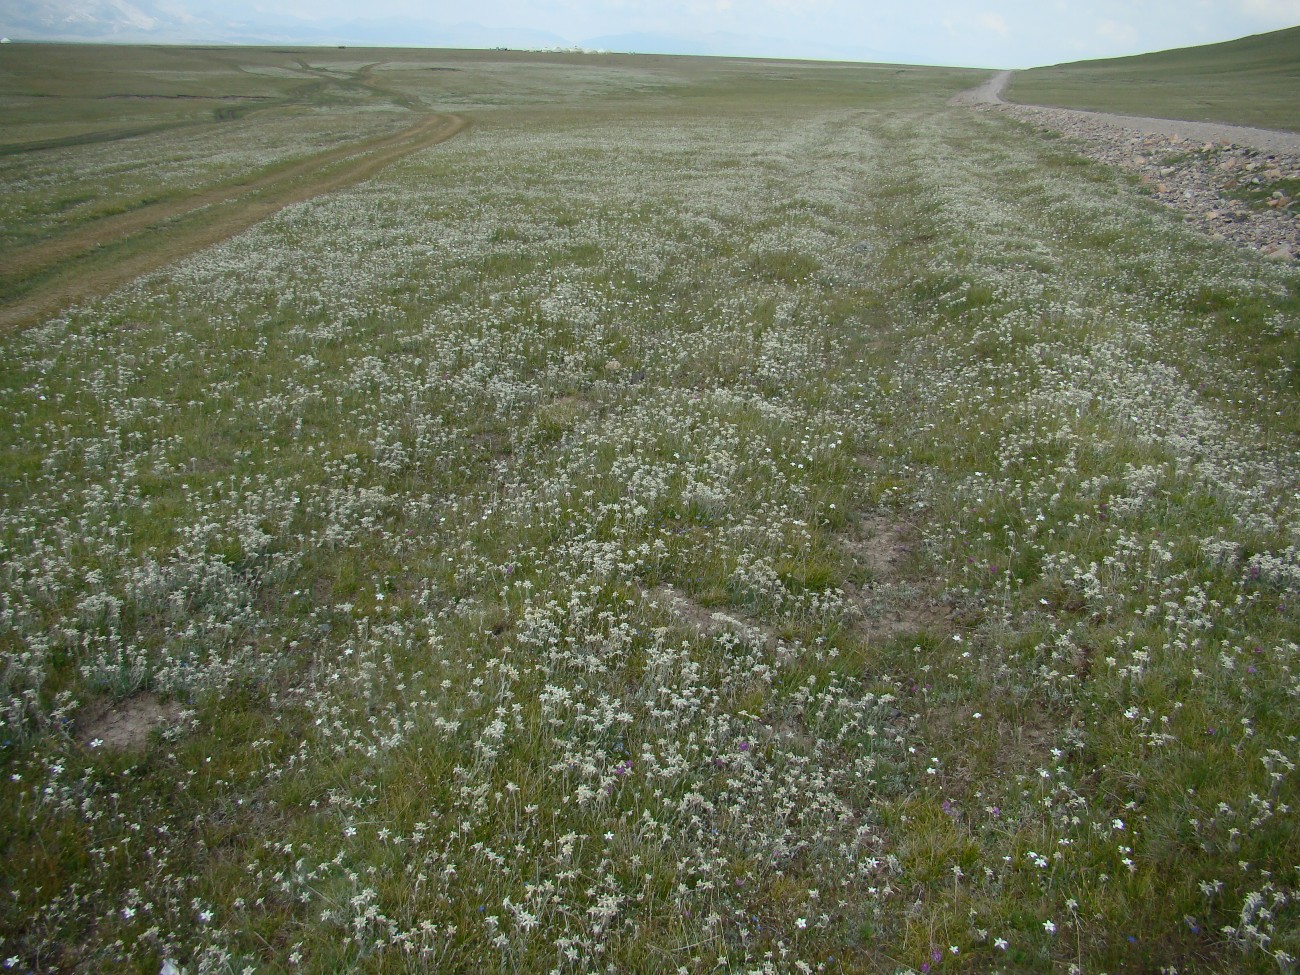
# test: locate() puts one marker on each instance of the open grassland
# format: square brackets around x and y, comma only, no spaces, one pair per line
[707,517]
[198,121]
[1252,81]
[77,94]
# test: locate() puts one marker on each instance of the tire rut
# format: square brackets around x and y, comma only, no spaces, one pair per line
[245,205]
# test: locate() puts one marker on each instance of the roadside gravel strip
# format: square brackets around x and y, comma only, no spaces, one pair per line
[215,215]
[1231,181]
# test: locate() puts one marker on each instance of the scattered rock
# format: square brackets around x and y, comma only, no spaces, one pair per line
[1207,180]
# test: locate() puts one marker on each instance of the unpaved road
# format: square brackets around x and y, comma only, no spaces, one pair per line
[1265,140]
[1196,169]
[233,210]
[988,93]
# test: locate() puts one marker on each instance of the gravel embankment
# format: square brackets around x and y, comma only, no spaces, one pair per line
[1236,183]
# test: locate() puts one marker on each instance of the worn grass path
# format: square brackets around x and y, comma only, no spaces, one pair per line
[67,264]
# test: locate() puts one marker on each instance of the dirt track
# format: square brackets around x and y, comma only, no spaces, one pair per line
[987,93]
[1265,140]
[1197,169]
[234,209]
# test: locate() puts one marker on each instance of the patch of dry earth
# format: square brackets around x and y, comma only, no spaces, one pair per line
[125,725]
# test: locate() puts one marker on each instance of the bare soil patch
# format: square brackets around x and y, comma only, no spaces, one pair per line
[125,725]
[896,597]
[711,621]
[881,545]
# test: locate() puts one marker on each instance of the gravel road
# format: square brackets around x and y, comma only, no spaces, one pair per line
[1232,181]
[989,93]
[1265,140]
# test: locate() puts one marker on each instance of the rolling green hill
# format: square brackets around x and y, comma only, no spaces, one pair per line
[1250,81]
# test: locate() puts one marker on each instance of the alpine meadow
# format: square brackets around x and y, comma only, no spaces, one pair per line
[556,513]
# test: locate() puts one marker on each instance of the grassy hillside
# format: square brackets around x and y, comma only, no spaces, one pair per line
[1251,81]
[68,93]
[708,516]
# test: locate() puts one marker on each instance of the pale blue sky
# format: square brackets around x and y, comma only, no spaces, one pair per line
[984,33]
[1009,33]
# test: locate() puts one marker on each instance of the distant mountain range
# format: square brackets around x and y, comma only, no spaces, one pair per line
[81,20]
[162,22]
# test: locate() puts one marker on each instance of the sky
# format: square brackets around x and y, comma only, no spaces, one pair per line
[977,33]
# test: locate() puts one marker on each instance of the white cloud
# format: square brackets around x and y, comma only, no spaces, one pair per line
[1122,34]
[994,22]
